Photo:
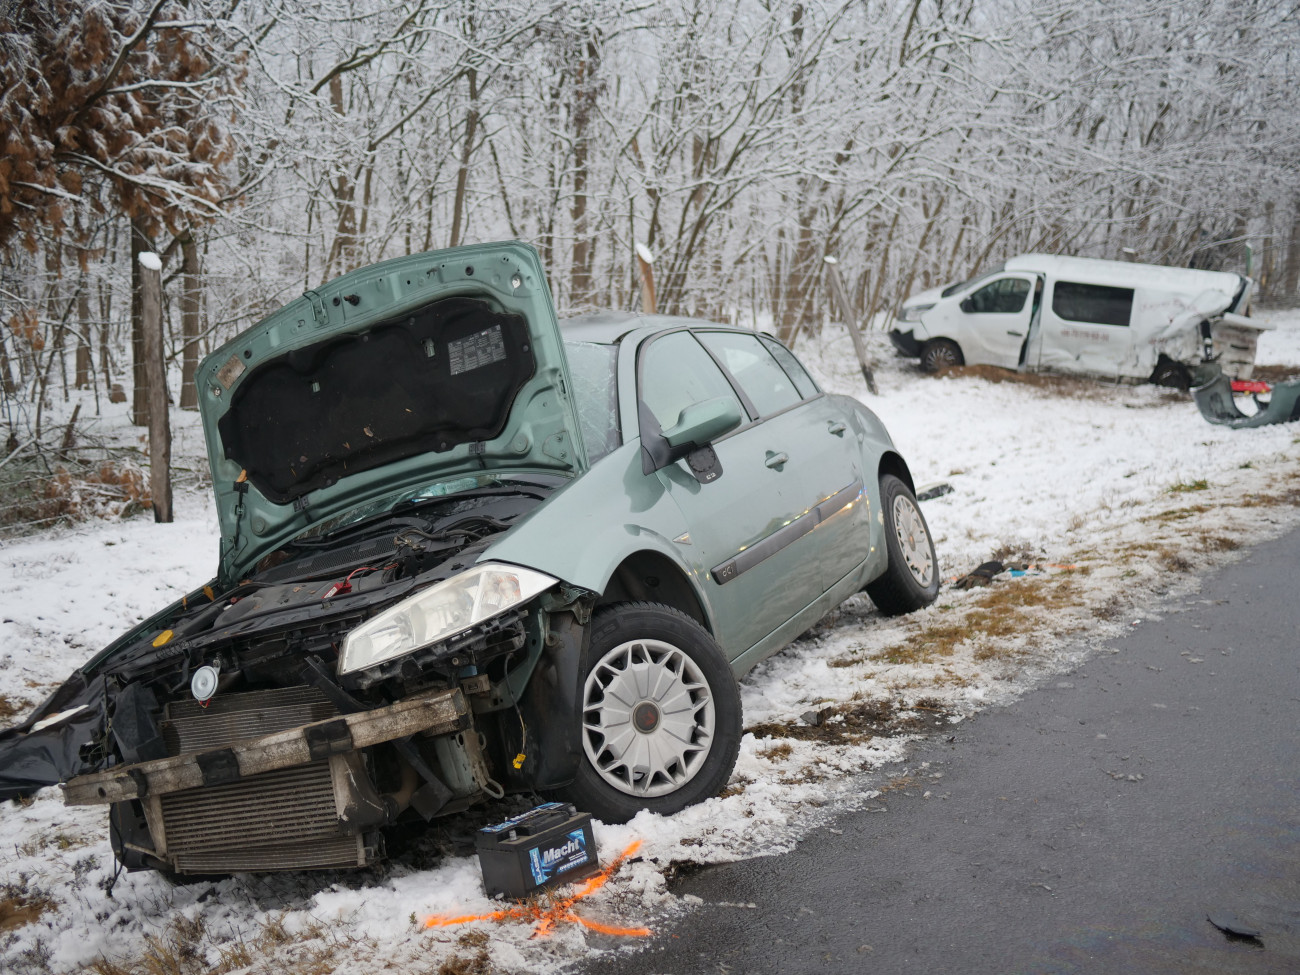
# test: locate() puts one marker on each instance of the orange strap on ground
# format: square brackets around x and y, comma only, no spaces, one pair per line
[548,917]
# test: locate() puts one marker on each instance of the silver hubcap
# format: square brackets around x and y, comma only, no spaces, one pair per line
[913,540]
[647,718]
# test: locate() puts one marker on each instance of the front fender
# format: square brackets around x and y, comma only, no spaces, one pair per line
[585,531]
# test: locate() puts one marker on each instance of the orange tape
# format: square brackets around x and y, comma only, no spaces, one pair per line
[559,910]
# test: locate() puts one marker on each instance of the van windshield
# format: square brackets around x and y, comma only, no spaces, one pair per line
[952,289]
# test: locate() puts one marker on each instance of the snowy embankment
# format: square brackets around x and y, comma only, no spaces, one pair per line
[1116,496]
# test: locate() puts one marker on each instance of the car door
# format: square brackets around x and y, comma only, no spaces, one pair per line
[997,317]
[829,467]
[742,538]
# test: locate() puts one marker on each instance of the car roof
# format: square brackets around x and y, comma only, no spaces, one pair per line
[1127,274]
[608,326]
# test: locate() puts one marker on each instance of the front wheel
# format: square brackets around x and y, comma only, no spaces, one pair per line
[661,720]
[912,579]
[940,354]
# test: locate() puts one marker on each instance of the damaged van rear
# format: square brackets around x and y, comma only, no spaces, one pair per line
[1112,320]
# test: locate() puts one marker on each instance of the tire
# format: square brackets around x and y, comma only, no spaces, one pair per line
[912,579]
[691,709]
[1171,374]
[940,354]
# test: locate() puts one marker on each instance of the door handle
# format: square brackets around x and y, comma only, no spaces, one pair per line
[1016,334]
[776,461]
[837,428]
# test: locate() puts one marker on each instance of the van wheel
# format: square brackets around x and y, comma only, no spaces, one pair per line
[1170,373]
[912,579]
[940,354]
[661,719]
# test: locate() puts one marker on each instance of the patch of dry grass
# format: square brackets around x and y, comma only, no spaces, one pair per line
[1179,514]
[183,950]
[857,721]
[9,708]
[1274,373]
[1068,385]
[1000,613]
[777,752]
[477,962]
[19,907]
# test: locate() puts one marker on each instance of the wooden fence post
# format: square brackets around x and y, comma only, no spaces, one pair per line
[841,299]
[160,435]
[644,260]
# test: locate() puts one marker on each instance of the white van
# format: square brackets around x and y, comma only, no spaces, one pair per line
[1110,319]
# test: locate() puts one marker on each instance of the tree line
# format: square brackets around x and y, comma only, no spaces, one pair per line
[262,146]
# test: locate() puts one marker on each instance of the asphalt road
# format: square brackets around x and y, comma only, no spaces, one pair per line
[1090,827]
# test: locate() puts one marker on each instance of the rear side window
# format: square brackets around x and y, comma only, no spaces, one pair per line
[1004,296]
[675,373]
[793,368]
[764,382]
[1096,304]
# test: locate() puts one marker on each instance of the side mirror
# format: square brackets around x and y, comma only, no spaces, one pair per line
[700,424]
[967,305]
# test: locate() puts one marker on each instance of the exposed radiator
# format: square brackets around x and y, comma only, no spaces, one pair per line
[281,820]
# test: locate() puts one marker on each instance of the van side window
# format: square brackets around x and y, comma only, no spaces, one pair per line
[1096,304]
[1005,296]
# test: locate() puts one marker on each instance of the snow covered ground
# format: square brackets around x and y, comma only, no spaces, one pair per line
[1117,496]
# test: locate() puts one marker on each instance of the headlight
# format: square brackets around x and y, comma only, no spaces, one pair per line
[440,611]
[913,313]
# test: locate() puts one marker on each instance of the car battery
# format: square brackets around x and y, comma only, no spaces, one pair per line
[548,845]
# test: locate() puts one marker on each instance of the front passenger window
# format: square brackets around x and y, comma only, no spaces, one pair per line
[1004,296]
[676,372]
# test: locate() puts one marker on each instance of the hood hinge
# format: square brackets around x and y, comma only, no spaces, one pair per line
[318,307]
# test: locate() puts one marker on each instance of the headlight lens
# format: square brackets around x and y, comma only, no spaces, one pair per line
[441,611]
[913,313]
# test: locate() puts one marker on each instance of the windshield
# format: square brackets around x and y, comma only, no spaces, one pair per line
[595,393]
[952,289]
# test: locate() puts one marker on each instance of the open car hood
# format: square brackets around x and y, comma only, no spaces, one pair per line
[388,379]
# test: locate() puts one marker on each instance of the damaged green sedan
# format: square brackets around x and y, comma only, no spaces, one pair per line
[466,551]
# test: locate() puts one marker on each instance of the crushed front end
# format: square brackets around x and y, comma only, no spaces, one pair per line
[360,658]
[271,727]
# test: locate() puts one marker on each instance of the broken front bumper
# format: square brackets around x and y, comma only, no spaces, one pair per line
[296,798]
[905,342]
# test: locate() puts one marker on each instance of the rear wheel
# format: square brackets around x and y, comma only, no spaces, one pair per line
[660,718]
[940,354]
[1172,374]
[912,578]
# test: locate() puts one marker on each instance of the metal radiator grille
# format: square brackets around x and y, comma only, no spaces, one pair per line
[281,820]
[190,727]
[338,852]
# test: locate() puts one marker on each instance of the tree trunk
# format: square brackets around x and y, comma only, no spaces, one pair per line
[1291,272]
[84,364]
[190,325]
[466,152]
[584,105]
[140,392]
[160,438]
